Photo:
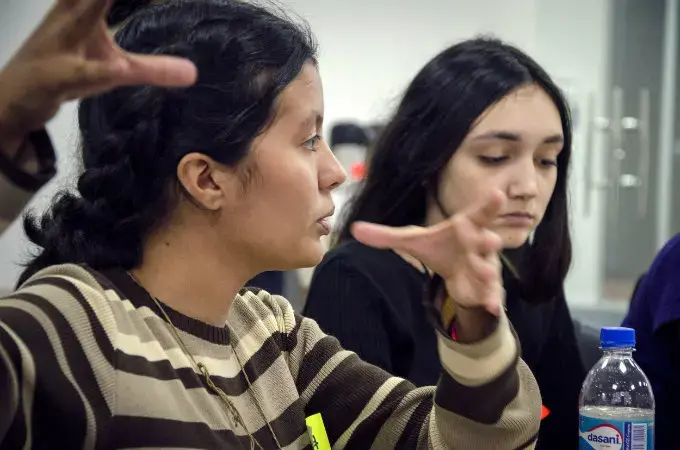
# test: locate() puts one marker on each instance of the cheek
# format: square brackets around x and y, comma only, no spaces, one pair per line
[546,190]
[292,194]
[464,186]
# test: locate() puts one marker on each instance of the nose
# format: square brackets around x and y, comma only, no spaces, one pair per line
[331,172]
[524,182]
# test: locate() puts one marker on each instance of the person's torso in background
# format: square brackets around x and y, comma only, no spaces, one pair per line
[654,314]
[413,341]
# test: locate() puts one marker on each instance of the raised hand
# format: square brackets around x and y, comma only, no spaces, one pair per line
[461,249]
[72,55]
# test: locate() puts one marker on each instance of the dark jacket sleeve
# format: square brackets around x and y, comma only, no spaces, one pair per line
[21,179]
[348,306]
[560,374]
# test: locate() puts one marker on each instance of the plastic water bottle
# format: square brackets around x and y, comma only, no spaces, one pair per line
[617,403]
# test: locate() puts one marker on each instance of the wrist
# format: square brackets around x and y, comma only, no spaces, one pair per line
[466,325]
[472,325]
[11,137]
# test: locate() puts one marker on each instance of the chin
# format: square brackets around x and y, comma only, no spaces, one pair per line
[308,255]
[514,238]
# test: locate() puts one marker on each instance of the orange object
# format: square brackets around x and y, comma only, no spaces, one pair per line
[358,171]
[545,412]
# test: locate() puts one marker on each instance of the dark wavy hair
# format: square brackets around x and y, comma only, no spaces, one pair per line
[133,138]
[436,113]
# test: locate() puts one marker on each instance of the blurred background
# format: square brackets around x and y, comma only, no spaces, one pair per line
[617,60]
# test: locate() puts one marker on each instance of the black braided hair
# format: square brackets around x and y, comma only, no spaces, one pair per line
[133,138]
[122,10]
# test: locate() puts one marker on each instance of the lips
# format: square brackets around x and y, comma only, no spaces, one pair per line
[518,214]
[325,224]
[519,219]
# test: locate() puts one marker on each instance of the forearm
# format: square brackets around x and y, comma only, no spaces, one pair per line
[12,134]
[486,394]
[27,162]
[487,397]
[10,142]
[18,145]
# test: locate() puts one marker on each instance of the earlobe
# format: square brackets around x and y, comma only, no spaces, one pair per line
[200,177]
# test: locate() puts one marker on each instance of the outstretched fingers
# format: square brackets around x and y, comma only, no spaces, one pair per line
[484,213]
[81,19]
[386,237]
[158,70]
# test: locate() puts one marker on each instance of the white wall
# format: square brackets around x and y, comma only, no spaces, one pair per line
[572,44]
[370,49]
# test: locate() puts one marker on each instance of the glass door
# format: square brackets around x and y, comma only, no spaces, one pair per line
[624,202]
[639,133]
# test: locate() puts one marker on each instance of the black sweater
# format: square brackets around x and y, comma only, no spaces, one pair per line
[371,300]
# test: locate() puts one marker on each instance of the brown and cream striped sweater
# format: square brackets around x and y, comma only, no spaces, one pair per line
[88,361]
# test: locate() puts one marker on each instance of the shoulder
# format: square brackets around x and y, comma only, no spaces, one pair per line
[353,257]
[63,297]
[663,271]
[669,254]
[62,310]
[661,282]
[352,251]
[63,287]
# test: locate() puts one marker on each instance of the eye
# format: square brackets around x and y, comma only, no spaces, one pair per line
[312,143]
[547,162]
[492,160]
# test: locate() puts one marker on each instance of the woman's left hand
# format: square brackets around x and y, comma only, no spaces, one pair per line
[461,249]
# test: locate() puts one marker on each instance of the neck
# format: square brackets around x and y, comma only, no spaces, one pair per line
[184,272]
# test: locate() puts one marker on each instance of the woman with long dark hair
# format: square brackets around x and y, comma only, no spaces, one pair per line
[130,328]
[479,116]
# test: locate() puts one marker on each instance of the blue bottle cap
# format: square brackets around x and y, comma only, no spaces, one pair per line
[617,337]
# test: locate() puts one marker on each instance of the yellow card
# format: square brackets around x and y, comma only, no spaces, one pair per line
[317,432]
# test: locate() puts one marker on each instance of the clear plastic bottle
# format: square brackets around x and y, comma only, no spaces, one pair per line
[616,405]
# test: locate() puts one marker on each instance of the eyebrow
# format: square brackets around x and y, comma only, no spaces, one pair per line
[514,137]
[314,118]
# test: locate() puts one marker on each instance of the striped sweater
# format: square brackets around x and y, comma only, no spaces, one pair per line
[88,361]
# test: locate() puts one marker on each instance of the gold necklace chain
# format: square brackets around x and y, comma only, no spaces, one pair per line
[237,419]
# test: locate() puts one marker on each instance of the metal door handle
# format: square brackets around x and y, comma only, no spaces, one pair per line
[639,181]
[644,158]
[616,152]
[595,124]
[588,163]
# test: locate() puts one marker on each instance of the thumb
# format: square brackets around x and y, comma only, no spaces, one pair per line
[158,70]
[100,76]
[486,211]
[385,237]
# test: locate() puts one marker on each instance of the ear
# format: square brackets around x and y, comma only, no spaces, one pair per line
[207,181]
